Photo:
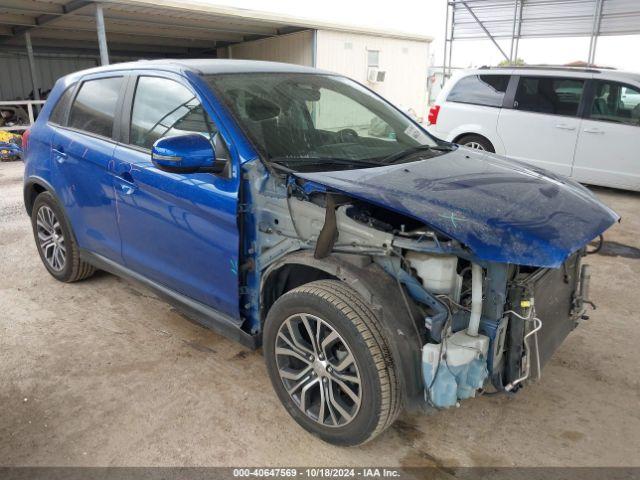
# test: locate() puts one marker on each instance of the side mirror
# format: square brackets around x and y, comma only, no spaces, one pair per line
[188,153]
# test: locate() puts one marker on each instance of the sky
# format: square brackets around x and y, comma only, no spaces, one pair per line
[427,17]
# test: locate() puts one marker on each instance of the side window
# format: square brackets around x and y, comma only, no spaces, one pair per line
[163,107]
[94,108]
[59,111]
[615,102]
[487,90]
[557,96]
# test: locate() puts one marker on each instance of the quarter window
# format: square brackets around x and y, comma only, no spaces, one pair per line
[60,110]
[487,90]
[615,102]
[162,108]
[94,108]
[557,96]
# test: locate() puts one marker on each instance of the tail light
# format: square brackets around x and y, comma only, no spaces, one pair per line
[432,118]
[25,140]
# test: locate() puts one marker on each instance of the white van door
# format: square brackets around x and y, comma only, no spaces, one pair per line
[542,127]
[608,151]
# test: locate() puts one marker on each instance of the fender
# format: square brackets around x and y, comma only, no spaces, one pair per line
[380,292]
[31,184]
[477,129]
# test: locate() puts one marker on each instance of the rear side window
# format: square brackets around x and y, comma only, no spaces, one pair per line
[556,96]
[59,113]
[616,102]
[162,107]
[94,108]
[485,90]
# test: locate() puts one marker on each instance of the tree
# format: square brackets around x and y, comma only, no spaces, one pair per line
[519,62]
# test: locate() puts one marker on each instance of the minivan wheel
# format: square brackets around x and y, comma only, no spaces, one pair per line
[476,142]
[56,244]
[329,363]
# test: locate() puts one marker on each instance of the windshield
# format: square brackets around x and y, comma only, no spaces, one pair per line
[311,122]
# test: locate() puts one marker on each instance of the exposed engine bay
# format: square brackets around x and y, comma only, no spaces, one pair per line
[480,324]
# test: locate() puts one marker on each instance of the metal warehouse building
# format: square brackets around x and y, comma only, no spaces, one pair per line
[41,40]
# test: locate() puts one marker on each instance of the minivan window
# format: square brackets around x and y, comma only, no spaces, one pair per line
[557,96]
[314,122]
[615,102]
[163,107]
[94,108]
[487,90]
[60,109]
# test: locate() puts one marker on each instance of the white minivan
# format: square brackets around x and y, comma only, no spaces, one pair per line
[583,123]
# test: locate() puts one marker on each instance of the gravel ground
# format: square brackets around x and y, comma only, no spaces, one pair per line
[103,373]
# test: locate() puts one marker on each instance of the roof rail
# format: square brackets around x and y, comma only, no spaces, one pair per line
[564,68]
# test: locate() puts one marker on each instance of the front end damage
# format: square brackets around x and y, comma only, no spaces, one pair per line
[459,323]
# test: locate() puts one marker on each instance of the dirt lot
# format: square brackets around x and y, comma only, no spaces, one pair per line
[103,373]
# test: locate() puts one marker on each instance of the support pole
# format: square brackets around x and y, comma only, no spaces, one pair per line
[512,59]
[595,32]
[444,55]
[519,31]
[451,35]
[32,66]
[102,36]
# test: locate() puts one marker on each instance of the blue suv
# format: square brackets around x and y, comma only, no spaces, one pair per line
[380,268]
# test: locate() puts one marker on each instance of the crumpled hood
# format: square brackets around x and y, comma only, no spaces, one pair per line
[502,210]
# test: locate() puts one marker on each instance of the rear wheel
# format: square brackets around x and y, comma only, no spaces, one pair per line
[477,142]
[56,244]
[329,363]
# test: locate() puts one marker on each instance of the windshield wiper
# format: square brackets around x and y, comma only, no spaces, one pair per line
[326,161]
[408,151]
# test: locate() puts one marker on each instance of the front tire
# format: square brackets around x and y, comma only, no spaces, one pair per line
[329,363]
[55,241]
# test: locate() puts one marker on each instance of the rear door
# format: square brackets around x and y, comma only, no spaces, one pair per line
[541,127]
[82,149]
[179,230]
[609,141]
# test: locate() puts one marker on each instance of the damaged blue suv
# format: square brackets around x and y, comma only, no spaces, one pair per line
[380,268]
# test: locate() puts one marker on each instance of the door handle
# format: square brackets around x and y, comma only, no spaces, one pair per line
[59,154]
[564,126]
[594,130]
[127,183]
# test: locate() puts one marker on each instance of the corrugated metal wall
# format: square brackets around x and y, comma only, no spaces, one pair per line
[15,79]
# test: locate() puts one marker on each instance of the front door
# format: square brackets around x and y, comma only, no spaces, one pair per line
[178,230]
[82,150]
[609,141]
[542,127]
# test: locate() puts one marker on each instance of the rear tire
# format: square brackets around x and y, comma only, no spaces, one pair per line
[477,142]
[55,241]
[344,349]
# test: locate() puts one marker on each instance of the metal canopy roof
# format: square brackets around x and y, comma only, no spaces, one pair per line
[147,27]
[544,18]
[516,19]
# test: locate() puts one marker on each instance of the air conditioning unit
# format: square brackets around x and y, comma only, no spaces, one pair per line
[375,75]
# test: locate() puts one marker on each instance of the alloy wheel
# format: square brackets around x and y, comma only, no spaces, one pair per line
[474,145]
[318,370]
[51,239]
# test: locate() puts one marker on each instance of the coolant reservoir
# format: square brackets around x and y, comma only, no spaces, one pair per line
[437,272]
